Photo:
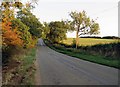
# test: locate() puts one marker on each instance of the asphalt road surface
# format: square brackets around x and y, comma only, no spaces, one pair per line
[59,69]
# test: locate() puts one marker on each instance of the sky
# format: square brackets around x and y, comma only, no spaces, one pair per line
[106,12]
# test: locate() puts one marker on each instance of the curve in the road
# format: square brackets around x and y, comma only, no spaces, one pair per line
[59,69]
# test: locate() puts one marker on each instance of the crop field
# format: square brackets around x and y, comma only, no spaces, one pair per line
[90,41]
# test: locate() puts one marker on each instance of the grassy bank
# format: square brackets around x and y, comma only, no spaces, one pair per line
[78,53]
[20,69]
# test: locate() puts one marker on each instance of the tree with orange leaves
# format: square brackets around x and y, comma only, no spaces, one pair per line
[10,37]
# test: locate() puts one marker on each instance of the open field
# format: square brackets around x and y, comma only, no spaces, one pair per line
[90,41]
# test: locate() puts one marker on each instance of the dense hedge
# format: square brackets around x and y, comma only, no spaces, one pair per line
[108,50]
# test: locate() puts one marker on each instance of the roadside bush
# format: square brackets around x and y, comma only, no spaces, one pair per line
[107,50]
[101,54]
[73,43]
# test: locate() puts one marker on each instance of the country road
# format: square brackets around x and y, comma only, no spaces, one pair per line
[59,69]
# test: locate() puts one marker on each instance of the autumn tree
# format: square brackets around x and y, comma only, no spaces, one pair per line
[10,36]
[83,25]
[23,32]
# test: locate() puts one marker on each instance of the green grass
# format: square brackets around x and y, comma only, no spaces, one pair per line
[88,57]
[90,41]
[28,68]
[77,53]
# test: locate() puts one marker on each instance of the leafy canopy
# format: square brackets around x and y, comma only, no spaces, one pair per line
[35,27]
[57,31]
[83,25]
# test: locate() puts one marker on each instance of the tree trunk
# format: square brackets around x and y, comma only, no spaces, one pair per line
[77,38]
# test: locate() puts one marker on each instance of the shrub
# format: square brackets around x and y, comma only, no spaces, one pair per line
[73,43]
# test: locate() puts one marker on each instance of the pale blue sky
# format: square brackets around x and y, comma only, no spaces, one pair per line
[105,10]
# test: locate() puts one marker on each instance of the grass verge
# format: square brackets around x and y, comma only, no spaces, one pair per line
[86,56]
[21,69]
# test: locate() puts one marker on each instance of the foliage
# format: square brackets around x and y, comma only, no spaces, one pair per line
[10,35]
[105,47]
[83,25]
[35,27]
[57,31]
[74,43]
[46,30]
[15,33]
[26,29]
[17,37]
[86,54]
[24,32]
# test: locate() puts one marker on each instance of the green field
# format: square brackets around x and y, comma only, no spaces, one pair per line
[90,41]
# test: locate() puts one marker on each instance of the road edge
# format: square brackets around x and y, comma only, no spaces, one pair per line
[37,73]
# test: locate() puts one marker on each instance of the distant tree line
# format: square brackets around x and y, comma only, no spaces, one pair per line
[98,37]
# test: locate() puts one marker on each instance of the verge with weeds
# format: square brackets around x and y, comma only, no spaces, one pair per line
[20,69]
